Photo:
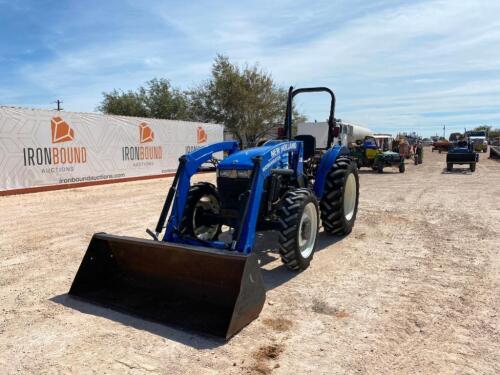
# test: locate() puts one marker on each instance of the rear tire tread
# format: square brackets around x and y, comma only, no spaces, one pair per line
[332,207]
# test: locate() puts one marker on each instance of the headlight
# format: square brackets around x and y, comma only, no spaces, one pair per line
[234,173]
[244,173]
[228,173]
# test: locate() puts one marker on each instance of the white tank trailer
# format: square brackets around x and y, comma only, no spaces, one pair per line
[349,132]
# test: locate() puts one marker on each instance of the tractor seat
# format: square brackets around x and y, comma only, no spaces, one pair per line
[309,144]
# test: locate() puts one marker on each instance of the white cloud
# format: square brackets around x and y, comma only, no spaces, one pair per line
[390,62]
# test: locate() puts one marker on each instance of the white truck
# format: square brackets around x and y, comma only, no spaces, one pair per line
[478,139]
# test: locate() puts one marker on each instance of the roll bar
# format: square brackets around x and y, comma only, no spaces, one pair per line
[288,116]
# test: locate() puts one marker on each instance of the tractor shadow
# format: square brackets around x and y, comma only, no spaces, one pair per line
[388,170]
[463,171]
[194,339]
[267,252]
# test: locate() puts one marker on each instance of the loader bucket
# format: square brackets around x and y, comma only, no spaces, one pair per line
[195,288]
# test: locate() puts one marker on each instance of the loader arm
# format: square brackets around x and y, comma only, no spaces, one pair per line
[275,154]
[188,166]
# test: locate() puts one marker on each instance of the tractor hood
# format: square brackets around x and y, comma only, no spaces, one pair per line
[244,159]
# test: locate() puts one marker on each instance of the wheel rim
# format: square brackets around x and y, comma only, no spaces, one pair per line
[208,203]
[308,229]
[349,197]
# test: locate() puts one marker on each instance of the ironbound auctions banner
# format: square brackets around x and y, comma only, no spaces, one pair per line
[46,148]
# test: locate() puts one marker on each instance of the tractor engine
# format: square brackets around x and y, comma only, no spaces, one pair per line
[233,188]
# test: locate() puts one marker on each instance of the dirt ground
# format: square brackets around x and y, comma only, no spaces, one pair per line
[414,289]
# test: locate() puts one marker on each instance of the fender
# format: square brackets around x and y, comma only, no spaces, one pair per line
[325,165]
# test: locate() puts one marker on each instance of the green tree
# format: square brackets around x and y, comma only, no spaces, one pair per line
[244,99]
[164,101]
[158,99]
[491,132]
[487,128]
[123,103]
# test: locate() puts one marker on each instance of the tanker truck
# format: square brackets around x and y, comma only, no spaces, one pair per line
[347,135]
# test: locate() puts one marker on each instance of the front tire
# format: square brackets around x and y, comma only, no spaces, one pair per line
[202,198]
[299,226]
[472,167]
[449,167]
[339,204]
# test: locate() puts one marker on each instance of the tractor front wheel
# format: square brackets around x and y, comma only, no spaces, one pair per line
[299,226]
[339,204]
[202,202]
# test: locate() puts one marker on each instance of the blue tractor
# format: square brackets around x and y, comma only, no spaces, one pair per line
[462,153]
[200,271]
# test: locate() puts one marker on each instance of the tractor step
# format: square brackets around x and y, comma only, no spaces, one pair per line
[190,287]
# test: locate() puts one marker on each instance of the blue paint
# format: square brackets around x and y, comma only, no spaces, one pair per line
[277,154]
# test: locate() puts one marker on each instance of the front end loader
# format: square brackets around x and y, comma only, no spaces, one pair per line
[199,271]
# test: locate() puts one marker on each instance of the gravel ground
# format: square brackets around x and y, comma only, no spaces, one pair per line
[414,289]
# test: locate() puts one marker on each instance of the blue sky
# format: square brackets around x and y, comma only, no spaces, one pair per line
[394,65]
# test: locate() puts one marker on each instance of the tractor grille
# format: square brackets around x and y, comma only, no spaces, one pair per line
[391,158]
[233,192]
[457,158]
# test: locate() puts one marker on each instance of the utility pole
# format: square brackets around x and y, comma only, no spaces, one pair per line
[444,131]
[58,102]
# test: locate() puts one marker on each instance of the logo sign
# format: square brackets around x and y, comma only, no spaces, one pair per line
[143,155]
[49,157]
[145,133]
[201,135]
[61,131]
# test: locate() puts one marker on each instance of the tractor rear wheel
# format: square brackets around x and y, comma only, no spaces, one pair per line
[299,226]
[339,204]
[202,200]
